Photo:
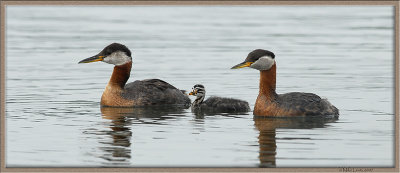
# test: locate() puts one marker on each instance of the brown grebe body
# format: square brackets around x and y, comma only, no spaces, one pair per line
[138,93]
[269,103]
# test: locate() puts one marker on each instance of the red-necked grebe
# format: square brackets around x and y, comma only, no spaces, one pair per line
[269,103]
[216,104]
[137,93]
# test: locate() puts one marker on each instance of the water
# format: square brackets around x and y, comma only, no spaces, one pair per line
[53,116]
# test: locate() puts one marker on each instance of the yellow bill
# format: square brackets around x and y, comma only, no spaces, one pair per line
[193,92]
[92,59]
[241,65]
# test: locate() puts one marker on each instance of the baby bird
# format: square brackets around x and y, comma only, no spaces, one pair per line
[216,104]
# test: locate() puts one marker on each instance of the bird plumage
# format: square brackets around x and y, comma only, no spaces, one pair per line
[216,104]
[269,103]
[154,92]
[138,93]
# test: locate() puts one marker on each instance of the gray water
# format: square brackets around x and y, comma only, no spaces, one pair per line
[343,53]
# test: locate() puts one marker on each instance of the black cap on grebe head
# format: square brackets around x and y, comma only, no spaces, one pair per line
[114,47]
[259,59]
[115,53]
[258,53]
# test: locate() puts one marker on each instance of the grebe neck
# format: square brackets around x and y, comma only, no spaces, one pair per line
[199,100]
[120,75]
[268,82]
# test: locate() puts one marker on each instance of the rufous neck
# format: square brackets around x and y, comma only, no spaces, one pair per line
[120,75]
[268,82]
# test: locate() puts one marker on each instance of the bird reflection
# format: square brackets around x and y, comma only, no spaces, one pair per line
[200,115]
[267,136]
[118,151]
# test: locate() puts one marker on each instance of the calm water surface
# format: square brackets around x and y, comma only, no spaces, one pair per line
[341,53]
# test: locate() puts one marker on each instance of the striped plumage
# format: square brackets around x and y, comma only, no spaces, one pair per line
[216,104]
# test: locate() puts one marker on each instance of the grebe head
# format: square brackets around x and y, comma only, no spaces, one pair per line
[259,59]
[199,91]
[115,53]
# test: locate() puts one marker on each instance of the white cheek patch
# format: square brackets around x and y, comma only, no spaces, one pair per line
[263,63]
[117,58]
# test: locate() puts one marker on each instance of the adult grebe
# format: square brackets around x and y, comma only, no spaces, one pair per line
[269,103]
[137,93]
[216,104]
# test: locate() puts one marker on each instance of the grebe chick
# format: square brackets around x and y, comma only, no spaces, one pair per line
[216,104]
[269,103]
[137,93]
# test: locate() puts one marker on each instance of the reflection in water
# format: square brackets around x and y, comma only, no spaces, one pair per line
[119,150]
[199,114]
[267,128]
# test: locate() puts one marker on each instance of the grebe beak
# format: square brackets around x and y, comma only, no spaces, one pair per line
[193,92]
[92,59]
[241,65]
